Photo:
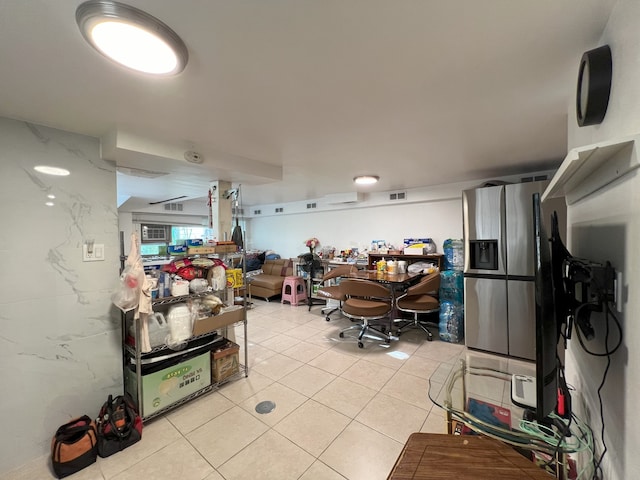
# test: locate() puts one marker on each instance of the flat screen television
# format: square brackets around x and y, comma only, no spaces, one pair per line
[539,394]
[547,328]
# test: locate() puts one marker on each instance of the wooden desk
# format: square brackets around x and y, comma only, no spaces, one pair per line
[431,456]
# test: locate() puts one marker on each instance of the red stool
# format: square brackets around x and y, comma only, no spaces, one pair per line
[294,290]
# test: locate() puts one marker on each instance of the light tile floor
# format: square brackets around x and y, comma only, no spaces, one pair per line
[341,412]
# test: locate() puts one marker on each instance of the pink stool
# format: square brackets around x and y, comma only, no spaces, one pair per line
[294,290]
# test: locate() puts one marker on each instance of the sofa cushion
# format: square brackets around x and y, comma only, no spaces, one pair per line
[272,282]
[287,268]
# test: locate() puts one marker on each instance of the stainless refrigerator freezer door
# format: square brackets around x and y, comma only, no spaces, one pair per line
[519,226]
[522,319]
[483,214]
[485,314]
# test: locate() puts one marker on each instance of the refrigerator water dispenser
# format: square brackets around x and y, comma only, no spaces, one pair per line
[483,254]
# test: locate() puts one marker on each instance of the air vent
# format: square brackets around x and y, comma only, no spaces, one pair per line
[311,205]
[526,179]
[237,211]
[173,207]
[279,210]
[539,178]
[398,196]
[155,233]
[257,212]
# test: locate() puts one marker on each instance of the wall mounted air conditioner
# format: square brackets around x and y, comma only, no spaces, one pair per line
[156,233]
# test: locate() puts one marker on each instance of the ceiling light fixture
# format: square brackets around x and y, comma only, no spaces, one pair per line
[47,170]
[366,179]
[131,37]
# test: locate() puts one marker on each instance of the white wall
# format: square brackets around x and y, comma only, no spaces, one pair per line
[606,226]
[60,342]
[429,212]
[345,229]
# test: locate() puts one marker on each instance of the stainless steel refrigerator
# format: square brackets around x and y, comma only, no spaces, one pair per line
[499,285]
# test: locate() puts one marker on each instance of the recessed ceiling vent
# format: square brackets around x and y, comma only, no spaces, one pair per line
[279,210]
[537,178]
[311,205]
[257,212]
[398,196]
[166,200]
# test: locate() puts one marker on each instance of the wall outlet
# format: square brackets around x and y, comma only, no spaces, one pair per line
[95,255]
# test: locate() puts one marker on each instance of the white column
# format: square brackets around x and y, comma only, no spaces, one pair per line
[221,209]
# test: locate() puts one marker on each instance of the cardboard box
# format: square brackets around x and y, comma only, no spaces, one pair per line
[209,249]
[407,242]
[225,361]
[227,316]
[234,278]
[417,249]
[164,387]
[176,249]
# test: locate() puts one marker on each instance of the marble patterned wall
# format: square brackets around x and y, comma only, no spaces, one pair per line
[59,335]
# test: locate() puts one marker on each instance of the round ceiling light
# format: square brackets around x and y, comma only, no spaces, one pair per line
[131,37]
[46,169]
[366,179]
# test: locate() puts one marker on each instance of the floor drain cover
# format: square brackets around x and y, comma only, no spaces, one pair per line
[265,407]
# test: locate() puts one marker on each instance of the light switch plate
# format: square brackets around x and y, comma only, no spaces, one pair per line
[96,255]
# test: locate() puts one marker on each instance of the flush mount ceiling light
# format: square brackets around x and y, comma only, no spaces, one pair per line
[47,170]
[131,37]
[366,179]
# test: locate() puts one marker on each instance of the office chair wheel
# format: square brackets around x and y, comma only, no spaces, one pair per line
[341,334]
[430,338]
[327,318]
[360,345]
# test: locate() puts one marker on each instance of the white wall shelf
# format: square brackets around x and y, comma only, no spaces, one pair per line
[590,168]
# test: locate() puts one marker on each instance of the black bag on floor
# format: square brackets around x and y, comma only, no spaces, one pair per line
[74,446]
[119,425]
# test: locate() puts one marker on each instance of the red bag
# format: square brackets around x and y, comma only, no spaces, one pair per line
[119,425]
[189,273]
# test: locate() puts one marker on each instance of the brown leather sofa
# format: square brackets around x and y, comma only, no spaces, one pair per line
[269,283]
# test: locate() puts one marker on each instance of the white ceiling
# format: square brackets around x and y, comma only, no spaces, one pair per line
[293,98]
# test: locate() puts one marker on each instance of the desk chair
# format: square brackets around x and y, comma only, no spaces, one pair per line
[333,292]
[366,301]
[420,299]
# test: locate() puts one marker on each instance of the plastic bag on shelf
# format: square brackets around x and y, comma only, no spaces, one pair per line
[127,293]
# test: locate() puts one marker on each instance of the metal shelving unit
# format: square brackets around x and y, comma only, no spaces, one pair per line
[133,357]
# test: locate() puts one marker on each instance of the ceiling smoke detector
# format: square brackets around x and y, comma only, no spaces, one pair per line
[193,157]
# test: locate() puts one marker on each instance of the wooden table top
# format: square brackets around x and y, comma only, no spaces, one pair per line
[431,456]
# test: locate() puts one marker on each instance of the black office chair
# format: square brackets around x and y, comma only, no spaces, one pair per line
[366,301]
[333,292]
[420,299]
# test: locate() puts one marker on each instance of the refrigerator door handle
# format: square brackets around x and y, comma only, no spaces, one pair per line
[503,233]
